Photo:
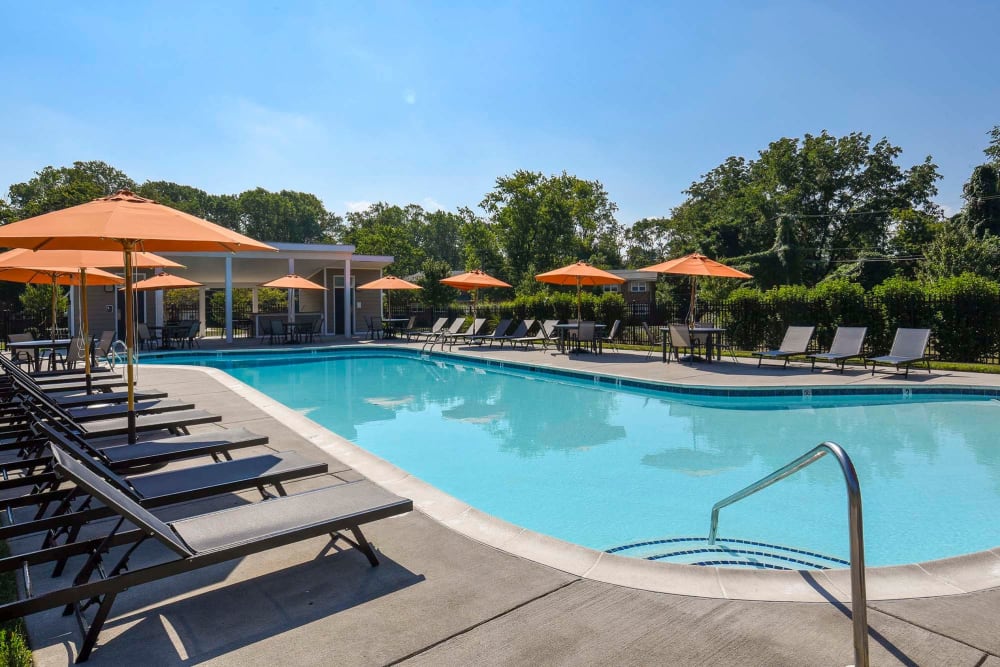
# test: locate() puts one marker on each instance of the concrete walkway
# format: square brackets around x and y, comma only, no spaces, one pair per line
[441,598]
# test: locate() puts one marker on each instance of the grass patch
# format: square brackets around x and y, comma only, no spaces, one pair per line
[14,651]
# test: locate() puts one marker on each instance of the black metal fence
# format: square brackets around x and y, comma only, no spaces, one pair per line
[965,330]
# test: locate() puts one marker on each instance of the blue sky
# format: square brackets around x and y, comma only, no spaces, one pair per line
[429,102]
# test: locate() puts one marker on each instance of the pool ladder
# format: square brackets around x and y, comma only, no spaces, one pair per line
[859,598]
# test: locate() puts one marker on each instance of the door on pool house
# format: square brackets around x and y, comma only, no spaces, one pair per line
[335,303]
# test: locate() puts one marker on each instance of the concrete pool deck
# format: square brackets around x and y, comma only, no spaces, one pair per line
[443,598]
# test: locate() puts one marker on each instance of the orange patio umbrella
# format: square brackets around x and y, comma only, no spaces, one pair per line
[473,280]
[80,260]
[389,283]
[164,281]
[55,275]
[579,274]
[695,265]
[127,223]
[292,281]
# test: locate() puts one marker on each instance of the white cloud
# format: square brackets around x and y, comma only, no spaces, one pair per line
[358,206]
[409,96]
[269,132]
[431,205]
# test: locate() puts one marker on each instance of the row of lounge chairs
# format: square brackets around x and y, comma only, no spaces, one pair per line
[62,473]
[908,347]
[526,333]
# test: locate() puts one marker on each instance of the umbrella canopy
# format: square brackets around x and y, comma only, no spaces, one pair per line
[79,261]
[164,281]
[695,265]
[125,222]
[389,283]
[579,274]
[473,280]
[292,281]
[57,275]
[82,259]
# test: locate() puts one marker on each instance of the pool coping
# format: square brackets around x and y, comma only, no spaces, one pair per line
[950,576]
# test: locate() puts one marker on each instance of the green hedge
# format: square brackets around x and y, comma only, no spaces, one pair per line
[962,313]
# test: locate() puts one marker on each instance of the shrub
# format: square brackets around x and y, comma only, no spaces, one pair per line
[966,317]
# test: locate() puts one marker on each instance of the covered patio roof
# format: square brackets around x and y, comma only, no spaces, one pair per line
[250,269]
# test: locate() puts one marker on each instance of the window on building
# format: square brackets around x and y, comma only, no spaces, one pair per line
[638,287]
[612,288]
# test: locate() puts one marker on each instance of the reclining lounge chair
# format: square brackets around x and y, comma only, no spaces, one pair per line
[73,508]
[795,342]
[193,542]
[908,347]
[847,342]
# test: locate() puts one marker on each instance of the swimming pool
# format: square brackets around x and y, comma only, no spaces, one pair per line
[604,465]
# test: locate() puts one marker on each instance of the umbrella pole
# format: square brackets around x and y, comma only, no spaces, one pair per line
[579,307]
[83,328]
[694,287]
[129,340]
[52,329]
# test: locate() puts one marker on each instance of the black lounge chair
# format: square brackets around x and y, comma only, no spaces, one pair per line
[436,328]
[79,400]
[499,332]
[795,343]
[193,542]
[442,334]
[153,406]
[73,509]
[520,331]
[908,347]
[847,343]
[469,333]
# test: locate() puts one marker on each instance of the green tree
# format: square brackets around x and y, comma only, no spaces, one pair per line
[543,222]
[383,229]
[221,209]
[957,250]
[982,200]
[992,151]
[807,204]
[434,293]
[55,188]
[480,246]
[36,299]
[286,216]
[648,241]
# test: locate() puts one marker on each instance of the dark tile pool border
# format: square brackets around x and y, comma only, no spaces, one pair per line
[285,355]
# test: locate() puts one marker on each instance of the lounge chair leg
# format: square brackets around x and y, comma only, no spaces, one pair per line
[359,542]
[91,633]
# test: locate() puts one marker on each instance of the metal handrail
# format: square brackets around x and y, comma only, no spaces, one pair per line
[859,598]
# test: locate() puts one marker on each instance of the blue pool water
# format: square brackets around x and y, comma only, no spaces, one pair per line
[605,466]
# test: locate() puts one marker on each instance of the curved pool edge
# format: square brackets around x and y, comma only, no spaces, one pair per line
[950,576]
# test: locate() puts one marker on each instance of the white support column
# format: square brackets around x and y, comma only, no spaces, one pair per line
[253,299]
[291,293]
[201,310]
[326,299]
[158,308]
[348,300]
[229,299]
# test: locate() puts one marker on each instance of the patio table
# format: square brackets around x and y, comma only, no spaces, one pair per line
[564,330]
[38,346]
[394,325]
[710,334]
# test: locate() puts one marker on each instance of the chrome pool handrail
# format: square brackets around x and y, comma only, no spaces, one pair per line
[859,597]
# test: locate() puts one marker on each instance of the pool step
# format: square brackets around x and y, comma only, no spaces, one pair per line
[736,553]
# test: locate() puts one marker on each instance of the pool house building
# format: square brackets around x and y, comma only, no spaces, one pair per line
[336,267]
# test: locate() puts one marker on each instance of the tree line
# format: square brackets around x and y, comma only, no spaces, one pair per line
[803,211]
